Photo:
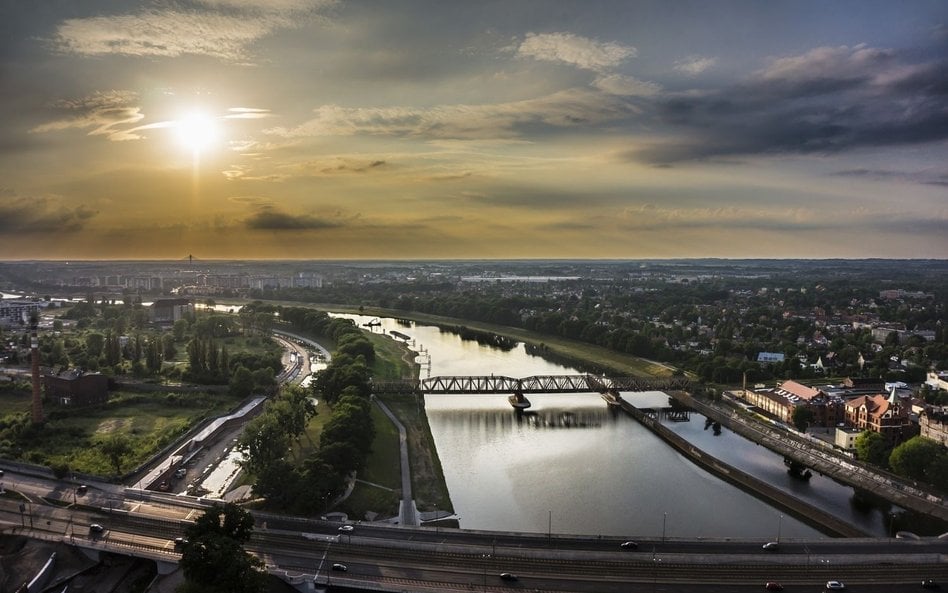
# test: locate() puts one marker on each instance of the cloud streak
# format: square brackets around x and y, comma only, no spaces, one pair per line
[824,101]
[22,215]
[581,52]
[564,109]
[223,29]
[268,218]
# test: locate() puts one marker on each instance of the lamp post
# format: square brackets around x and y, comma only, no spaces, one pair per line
[779,520]
[664,520]
[549,529]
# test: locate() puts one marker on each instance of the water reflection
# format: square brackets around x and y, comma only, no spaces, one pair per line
[570,464]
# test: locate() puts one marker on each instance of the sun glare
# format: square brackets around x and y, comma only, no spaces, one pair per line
[196,132]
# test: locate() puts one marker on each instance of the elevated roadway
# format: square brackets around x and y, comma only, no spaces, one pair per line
[388,558]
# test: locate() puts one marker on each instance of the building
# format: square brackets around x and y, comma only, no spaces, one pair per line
[878,413]
[782,400]
[74,387]
[937,380]
[167,311]
[845,437]
[16,311]
[933,423]
[770,357]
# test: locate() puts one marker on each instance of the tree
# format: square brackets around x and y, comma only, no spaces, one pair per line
[95,342]
[801,418]
[913,457]
[872,447]
[241,382]
[213,559]
[115,447]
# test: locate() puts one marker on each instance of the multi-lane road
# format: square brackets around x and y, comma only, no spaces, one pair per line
[392,558]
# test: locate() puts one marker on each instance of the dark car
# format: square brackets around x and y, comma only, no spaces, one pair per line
[81,489]
[772,586]
[180,542]
[771,546]
[629,546]
[508,576]
[929,584]
[96,529]
[338,566]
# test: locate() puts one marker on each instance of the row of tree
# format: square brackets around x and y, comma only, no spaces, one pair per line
[310,484]
[918,458]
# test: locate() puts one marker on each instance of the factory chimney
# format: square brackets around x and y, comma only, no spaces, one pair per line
[34,351]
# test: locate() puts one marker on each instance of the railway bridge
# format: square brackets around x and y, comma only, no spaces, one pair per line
[519,387]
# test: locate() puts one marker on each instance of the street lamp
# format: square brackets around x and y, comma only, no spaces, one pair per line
[779,520]
[664,520]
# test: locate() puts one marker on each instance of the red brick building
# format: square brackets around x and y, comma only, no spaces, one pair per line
[75,387]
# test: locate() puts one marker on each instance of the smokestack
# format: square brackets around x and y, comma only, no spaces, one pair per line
[34,350]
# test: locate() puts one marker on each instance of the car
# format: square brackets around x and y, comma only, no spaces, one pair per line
[771,546]
[929,584]
[835,586]
[773,586]
[339,567]
[508,576]
[1,473]
[180,472]
[629,545]
[180,542]
[346,528]
[96,528]
[82,489]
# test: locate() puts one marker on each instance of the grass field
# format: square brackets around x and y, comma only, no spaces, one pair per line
[71,436]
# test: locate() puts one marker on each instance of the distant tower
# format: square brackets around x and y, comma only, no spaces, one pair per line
[34,351]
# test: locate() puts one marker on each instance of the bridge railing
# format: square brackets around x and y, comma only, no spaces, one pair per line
[584,383]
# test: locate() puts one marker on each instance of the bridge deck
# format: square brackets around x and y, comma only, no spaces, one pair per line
[488,384]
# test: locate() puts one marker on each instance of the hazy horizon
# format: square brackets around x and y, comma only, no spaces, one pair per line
[347,130]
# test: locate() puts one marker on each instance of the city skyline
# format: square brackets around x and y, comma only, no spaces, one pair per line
[323,129]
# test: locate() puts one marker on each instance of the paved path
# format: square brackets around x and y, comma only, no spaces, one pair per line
[407,513]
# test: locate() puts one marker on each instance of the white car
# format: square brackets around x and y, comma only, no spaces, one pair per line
[346,528]
[834,586]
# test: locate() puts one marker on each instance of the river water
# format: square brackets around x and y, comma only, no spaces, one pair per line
[569,465]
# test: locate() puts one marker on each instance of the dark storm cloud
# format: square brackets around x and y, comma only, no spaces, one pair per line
[826,101]
[269,219]
[40,215]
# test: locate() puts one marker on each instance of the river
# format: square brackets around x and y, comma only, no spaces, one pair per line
[570,465]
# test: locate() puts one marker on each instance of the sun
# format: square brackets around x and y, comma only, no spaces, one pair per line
[196,132]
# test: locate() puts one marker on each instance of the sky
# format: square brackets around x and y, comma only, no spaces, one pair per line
[390,129]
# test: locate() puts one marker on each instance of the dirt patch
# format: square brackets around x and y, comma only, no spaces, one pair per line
[112,425]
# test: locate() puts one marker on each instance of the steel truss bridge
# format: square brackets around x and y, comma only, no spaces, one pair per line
[488,384]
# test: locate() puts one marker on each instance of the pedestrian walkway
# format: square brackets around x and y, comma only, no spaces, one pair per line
[407,512]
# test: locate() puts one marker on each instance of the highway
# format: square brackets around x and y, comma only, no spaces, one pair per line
[391,558]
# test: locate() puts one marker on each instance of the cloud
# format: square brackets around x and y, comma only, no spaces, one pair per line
[618,84]
[563,109]
[826,100]
[270,219]
[41,215]
[344,165]
[102,111]
[651,217]
[247,113]
[221,28]
[694,65]
[572,49]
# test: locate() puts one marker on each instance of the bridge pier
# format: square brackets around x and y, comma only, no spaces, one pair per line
[518,401]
